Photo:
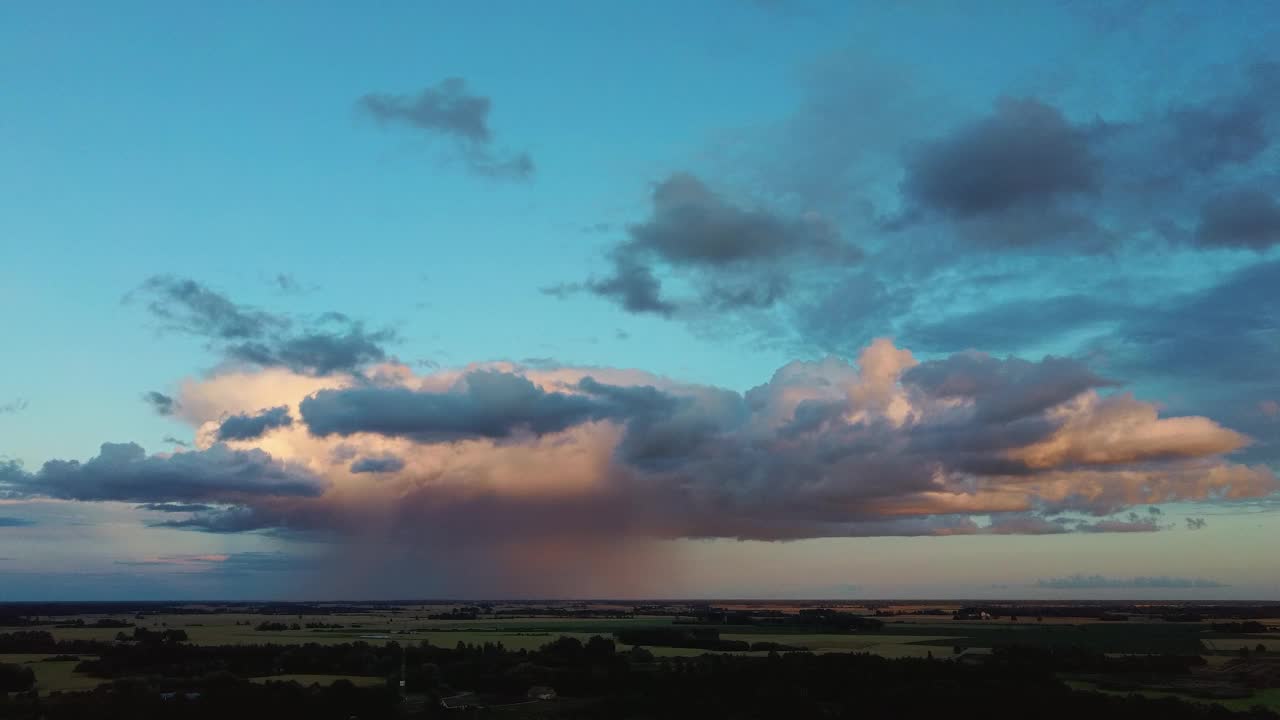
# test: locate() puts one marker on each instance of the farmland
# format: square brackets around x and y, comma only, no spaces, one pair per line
[1156,654]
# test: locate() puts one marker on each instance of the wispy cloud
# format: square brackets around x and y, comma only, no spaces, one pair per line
[1100,582]
[13,406]
[449,110]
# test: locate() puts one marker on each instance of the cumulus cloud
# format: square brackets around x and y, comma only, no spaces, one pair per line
[963,445]
[1099,582]
[248,427]
[448,109]
[124,472]
[328,344]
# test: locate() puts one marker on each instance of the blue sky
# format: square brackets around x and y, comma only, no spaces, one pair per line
[798,178]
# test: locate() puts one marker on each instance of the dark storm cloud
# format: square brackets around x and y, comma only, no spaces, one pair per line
[1005,390]
[448,109]
[1244,219]
[733,257]
[328,344]
[249,427]
[381,464]
[1100,582]
[485,404]
[124,472]
[161,403]
[1025,154]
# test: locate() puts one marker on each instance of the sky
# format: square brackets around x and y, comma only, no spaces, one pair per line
[751,299]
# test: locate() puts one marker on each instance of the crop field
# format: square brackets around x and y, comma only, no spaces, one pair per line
[238,628]
[59,676]
[887,645]
[322,680]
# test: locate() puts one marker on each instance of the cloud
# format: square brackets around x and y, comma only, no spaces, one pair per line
[1024,155]
[1194,523]
[1012,326]
[482,404]
[1232,341]
[330,343]
[248,427]
[1005,390]
[124,472]
[886,445]
[382,464]
[1118,526]
[14,406]
[632,285]
[176,507]
[449,110]
[15,522]
[222,564]
[1244,219]
[731,257]
[290,285]
[175,441]
[1099,582]
[161,403]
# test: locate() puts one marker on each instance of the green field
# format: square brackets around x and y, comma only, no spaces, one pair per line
[1268,698]
[1232,645]
[53,676]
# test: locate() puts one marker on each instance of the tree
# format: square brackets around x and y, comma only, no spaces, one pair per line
[16,678]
